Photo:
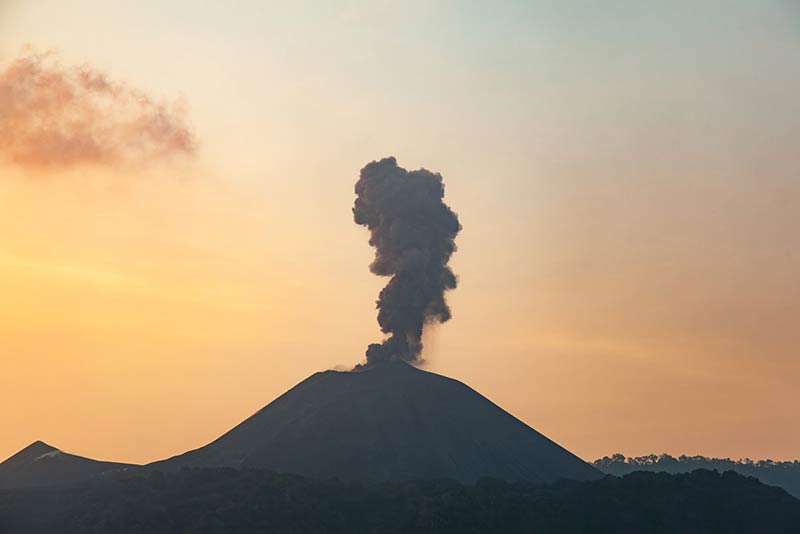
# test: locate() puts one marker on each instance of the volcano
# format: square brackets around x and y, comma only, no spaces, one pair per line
[40,464]
[391,421]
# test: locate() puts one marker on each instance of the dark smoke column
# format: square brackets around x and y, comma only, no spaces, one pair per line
[413,232]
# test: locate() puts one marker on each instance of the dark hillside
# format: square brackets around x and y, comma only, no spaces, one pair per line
[40,464]
[228,501]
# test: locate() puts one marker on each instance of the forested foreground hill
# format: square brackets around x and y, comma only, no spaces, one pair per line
[223,501]
[783,474]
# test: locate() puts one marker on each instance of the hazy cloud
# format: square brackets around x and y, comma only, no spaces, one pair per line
[58,116]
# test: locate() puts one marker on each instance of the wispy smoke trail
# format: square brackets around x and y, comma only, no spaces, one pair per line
[413,232]
[53,116]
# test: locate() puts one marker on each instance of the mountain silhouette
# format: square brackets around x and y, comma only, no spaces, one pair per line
[388,422]
[40,464]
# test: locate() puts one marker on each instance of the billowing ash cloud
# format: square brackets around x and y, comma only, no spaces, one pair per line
[413,232]
[53,116]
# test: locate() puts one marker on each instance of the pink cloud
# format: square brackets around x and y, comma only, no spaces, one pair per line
[56,116]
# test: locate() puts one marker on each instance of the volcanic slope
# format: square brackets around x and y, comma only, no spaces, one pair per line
[389,422]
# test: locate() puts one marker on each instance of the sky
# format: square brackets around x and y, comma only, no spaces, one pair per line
[177,245]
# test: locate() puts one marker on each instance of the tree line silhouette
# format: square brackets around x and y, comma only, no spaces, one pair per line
[785,474]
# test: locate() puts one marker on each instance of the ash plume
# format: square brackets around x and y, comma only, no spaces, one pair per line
[413,232]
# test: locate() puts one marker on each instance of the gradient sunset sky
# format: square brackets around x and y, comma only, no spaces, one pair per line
[627,174]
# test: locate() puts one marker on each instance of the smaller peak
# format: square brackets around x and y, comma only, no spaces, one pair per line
[39,447]
[32,451]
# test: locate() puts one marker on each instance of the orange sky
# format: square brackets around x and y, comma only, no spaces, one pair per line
[627,182]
